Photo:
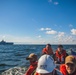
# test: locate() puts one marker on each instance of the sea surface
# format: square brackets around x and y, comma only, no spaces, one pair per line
[14,55]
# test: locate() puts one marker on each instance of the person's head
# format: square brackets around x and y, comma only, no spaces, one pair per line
[70,63]
[32,57]
[60,47]
[48,46]
[49,49]
[46,65]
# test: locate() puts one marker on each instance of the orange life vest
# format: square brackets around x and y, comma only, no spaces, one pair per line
[45,51]
[63,70]
[31,68]
[60,56]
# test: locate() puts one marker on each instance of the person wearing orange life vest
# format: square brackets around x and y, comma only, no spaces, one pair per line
[33,63]
[48,50]
[60,55]
[69,68]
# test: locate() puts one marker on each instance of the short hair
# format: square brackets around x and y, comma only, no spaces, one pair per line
[48,44]
[60,46]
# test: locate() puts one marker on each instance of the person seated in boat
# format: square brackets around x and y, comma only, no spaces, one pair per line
[46,68]
[69,68]
[33,63]
[48,50]
[60,55]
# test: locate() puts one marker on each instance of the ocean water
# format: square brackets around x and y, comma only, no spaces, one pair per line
[14,55]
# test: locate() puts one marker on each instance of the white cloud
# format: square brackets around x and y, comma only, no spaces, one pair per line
[70,25]
[56,3]
[11,38]
[42,29]
[47,28]
[4,36]
[61,34]
[73,31]
[23,40]
[51,32]
[63,38]
[39,36]
[49,0]
[69,38]
[60,38]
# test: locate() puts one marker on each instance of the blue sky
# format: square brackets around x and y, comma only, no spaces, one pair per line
[38,21]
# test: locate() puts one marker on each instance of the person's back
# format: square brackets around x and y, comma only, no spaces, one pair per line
[46,66]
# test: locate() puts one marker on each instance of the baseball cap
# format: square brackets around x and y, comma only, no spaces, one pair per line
[45,64]
[70,59]
[32,55]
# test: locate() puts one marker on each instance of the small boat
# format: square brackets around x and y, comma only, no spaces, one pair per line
[6,43]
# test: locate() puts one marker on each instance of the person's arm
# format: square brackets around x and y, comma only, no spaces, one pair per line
[43,51]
